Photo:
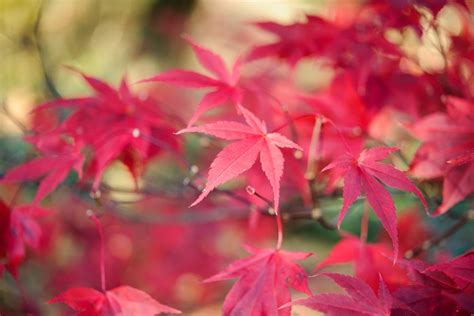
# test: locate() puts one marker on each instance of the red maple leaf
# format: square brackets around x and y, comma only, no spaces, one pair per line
[225,83]
[18,231]
[341,103]
[361,300]
[361,174]
[460,269]
[123,300]
[444,288]
[448,143]
[295,41]
[370,261]
[58,159]
[117,125]
[254,139]
[263,282]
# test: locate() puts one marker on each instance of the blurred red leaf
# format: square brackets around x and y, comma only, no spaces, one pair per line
[225,84]
[361,300]
[370,262]
[123,300]
[52,168]
[448,143]
[445,288]
[19,230]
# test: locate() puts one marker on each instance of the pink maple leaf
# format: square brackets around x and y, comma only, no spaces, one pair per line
[253,140]
[52,167]
[363,174]
[123,300]
[361,299]
[117,124]
[370,261]
[263,282]
[445,288]
[448,144]
[224,85]
[18,231]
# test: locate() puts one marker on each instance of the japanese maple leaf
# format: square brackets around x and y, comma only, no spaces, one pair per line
[448,144]
[19,230]
[370,262]
[341,103]
[263,282]
[254,140]
[52,167]
[295,41]
[224,83]
[460,269]
[362,174]
[361,299]
[117,124]
[444,288]
[123,300]
[352,49]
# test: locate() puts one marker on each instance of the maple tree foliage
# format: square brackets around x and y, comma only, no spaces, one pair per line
[384,133]
[444,288]
[264,282]
[447,150]
[370,261]
[254,141]
[361,300]
[20,230]
[123,300]
[360,176]
[227,85]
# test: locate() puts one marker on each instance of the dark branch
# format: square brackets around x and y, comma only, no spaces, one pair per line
[434,242]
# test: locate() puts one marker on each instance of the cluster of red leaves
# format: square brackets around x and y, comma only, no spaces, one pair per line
[447,150]
[18,230]
[445,288]
[441,289]
[330,126]
[361,300]
[123,300]
[114,124]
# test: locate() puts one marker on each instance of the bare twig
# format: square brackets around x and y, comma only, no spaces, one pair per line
[6,111]
[431,243]
[51,87]
[310,175]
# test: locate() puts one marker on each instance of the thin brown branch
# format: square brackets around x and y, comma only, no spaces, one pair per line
[434,242]
[312,168]
[6,111]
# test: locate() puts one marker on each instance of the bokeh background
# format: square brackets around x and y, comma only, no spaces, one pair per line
[166,256]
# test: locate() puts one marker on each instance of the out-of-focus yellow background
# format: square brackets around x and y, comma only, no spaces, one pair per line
[108,38]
